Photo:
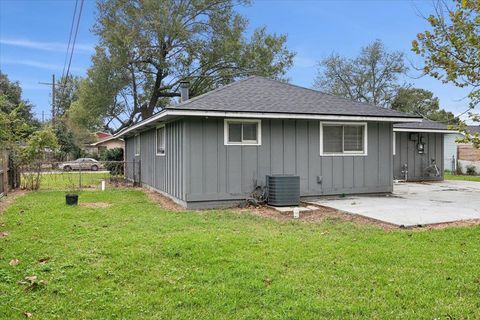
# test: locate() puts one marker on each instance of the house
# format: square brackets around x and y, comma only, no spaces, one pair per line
[105,141]
[467,154]
[419,150]
[215,149]
[462,153]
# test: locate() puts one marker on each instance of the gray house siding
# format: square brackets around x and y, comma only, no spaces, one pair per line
[216,172]
[406,153]
[163,173]
[129,158]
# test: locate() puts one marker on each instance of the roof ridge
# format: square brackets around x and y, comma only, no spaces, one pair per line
[210,92]
[325,93]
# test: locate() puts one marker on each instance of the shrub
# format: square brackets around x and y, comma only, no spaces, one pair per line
[111,156]
[471,170]
[459,169]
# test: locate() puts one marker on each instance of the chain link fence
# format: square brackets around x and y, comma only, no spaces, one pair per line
[79,175]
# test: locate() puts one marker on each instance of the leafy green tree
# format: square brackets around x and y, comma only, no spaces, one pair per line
[37,146]
[422,102]
[372,77]
[65,94]
[11,99]
[147,47]
[451,50]
[69,146]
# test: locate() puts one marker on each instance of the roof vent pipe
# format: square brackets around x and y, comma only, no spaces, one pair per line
[184,86]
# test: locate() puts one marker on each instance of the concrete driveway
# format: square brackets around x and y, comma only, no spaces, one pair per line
[413,204]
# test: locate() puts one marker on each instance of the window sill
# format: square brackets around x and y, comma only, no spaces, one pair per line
[242,144]
[343,154]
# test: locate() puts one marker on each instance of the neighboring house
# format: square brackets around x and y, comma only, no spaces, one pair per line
[215,149]
[419,150]
[463,153]
[104,141]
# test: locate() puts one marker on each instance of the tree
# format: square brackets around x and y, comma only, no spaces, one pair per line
[147,47]
[422,103]
[11,99]
[66,92]
[451,51]
[37,146]
[372,77]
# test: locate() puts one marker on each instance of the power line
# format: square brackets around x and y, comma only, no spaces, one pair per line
[74,38]
[70,38]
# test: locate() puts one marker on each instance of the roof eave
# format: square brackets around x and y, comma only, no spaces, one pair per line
[171,113]
[424,130]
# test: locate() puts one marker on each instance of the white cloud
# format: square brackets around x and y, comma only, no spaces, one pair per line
[47,46]
[39,64]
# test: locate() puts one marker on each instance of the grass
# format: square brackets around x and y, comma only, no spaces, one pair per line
[449,176]
[67,180]
[134,260]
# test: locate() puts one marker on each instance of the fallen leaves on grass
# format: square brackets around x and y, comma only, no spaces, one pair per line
[43,260]
[27,314]
[14,262]
[32,283]
[3,234]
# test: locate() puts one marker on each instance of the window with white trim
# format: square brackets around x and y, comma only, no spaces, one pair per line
[242,132]
[394,143]
[160,140]
[343,139]
[137,145]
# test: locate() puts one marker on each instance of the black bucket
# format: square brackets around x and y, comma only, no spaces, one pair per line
[71,199]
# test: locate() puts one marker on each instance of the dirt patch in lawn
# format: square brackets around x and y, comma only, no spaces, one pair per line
[95,205]
[162,201]
[7,200]
[463,223]
[320,214]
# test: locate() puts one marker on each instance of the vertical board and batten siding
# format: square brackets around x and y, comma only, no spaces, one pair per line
[450,150]
[164,173]
[406,153]
[215,171]
[129,157]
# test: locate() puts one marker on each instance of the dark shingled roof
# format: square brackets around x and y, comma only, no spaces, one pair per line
[473,129]
[258,94]
[425,124]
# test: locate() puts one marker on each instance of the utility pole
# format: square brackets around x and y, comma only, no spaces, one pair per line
[53,96]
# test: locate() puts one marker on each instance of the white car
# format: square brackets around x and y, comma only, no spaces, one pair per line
[81,164]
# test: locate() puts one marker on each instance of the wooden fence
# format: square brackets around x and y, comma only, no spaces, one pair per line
[468,152]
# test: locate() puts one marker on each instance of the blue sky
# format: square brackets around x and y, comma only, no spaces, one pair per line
[34,36]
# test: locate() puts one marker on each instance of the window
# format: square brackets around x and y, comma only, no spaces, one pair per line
[394,143]
[160,136]
[242,132]
[343,138]
[137,145]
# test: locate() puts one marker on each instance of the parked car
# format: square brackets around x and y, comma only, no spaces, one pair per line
[81,164]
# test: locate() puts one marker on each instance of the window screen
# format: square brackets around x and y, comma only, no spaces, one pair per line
[332,139]
[343,138]
[353,138]
[250,131]
[161,141]
[137,145]
[235,132]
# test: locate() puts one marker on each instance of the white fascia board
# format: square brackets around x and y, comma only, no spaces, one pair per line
[424,130]
[263,115]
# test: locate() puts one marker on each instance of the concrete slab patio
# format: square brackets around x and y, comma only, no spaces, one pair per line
[413,204]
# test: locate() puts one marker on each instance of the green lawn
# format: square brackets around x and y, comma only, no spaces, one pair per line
[449,176]
[133,260]
[67,180]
